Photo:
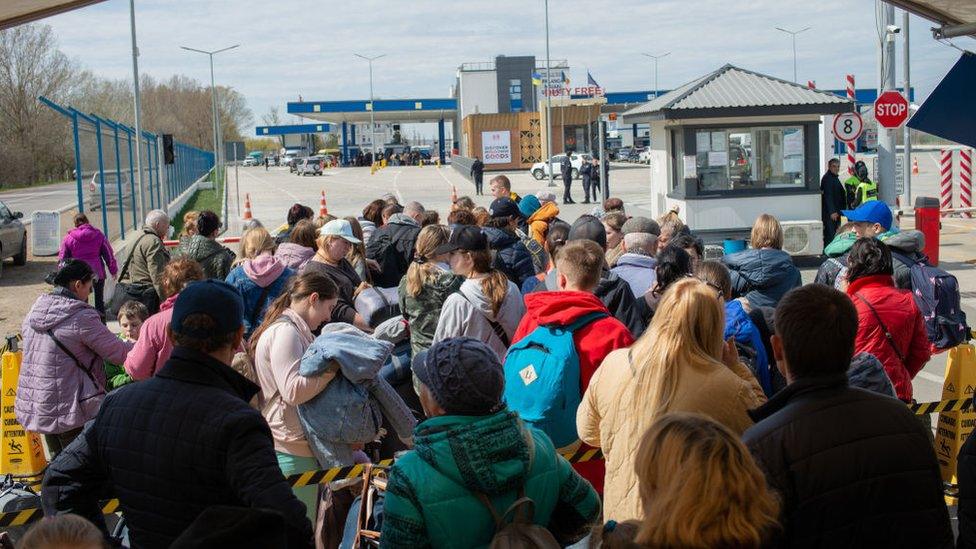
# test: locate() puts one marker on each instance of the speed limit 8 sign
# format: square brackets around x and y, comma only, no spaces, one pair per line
[848,126]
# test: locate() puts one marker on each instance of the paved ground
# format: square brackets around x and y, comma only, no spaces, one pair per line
[48,197]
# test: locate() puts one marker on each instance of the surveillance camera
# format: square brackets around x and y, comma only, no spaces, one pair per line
[893,29]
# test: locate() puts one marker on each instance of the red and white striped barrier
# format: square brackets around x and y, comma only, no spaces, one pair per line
[965,180]
[945,169]
[851,145]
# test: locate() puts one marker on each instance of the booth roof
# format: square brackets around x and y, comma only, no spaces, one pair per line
[732,91]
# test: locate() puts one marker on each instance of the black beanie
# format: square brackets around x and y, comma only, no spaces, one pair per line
[588,227]
[71,270]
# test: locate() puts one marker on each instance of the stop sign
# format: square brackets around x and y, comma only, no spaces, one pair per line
[891,109]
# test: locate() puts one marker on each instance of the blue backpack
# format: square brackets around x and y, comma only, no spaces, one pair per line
[542,379]
[936,294]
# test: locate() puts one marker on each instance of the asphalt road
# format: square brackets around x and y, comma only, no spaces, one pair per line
[48,197]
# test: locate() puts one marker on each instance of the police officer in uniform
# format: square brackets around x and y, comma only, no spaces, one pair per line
[566,167]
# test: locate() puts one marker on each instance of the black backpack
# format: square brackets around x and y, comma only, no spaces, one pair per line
[936,294]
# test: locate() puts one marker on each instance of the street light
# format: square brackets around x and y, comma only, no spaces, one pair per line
[213,98]
[545,90]
[372,117]
[655,58]
[793,34]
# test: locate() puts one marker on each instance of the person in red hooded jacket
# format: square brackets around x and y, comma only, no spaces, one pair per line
[578,266]
[890,325]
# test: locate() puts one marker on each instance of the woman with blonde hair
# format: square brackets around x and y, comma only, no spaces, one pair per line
[763,274]
[671,227]
[699,486]
[335,241]
[681,363]
[189,224]
[424,289]
[488,306]
[260,278]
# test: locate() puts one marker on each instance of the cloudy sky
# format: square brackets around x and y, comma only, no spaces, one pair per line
[292,47]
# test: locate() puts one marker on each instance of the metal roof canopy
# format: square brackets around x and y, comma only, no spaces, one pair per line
[290,129]
[19,12]
[734,92]
[385,110]
[955,17]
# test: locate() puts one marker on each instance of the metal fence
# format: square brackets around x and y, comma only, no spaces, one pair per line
[109,190]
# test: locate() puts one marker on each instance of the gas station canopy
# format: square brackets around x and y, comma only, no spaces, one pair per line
[19,12]
[383,110]
[955,17]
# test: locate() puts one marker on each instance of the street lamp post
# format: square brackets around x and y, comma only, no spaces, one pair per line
[213,99]
[793,35]
[372,116]
[545,90]
[655,58]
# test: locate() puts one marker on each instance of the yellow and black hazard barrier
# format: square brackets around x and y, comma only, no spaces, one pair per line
[5,344]
[308,478]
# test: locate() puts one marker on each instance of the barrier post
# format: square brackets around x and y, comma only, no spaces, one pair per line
[21,453]
[945,169]
[966,180]
[954,427]
[851,145]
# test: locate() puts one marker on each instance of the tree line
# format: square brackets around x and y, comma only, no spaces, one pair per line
[36,143]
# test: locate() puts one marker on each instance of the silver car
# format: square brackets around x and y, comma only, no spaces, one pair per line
[13,237]
[311,165]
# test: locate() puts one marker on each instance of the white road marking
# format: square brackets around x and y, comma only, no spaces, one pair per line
[396,188]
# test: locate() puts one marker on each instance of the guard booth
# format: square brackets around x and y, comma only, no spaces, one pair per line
[735,144]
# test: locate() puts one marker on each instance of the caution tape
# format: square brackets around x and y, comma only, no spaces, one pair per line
[308,478]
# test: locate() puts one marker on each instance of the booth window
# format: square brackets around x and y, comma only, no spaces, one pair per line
[732,159]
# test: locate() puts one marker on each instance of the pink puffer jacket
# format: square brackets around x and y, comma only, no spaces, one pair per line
[153,348]
[54,395]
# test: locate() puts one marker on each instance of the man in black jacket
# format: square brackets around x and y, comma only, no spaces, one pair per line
[392,245]
[478,174]
[833,199]
[179,443]
[853,468]
[566,169]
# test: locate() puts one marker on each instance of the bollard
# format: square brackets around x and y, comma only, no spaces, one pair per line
[954,427]
[928,222]
[945,172]
[21,453]
[966,180]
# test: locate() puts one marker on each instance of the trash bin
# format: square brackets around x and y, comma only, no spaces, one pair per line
[928,221]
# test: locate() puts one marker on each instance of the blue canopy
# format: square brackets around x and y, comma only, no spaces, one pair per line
[948,112]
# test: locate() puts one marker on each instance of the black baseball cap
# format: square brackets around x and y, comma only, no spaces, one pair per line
[465,237]
[504,207]
[214,298]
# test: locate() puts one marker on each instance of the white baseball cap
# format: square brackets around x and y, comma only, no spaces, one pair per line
[339,227]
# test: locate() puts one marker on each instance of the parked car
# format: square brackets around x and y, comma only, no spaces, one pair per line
[540,170]
[13,237]
[311,165]
[250,161]
[645,156]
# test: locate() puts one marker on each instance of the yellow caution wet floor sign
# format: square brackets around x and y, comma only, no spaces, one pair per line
[21,453]
[954,427]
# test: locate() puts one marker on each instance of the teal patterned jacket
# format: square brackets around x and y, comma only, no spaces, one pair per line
[431,501]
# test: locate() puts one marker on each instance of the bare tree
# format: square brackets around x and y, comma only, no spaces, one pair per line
[272,118]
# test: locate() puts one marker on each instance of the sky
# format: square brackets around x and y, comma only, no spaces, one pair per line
[291,47]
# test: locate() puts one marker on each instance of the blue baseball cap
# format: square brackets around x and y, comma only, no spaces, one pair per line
[214,298]
[874,211]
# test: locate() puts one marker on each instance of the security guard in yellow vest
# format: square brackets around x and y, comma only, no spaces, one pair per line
[859,187]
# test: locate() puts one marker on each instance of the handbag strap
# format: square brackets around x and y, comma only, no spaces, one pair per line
[495,326]
[132,252]
[887,333]
[65,350]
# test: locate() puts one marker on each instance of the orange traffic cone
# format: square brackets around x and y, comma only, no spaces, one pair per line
[914,166]
[247,206]
[323,210]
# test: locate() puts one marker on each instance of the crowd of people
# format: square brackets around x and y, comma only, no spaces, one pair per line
[733,405]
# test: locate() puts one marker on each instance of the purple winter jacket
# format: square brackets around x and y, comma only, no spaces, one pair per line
[88,244]
[53,394]
[294,255]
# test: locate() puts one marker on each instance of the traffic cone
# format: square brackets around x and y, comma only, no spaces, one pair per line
[247,206]
[914,166]
[323,210]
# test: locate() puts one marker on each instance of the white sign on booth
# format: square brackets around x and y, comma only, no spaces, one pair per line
[496,147]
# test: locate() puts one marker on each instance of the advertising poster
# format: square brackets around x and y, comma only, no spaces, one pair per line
[496,147]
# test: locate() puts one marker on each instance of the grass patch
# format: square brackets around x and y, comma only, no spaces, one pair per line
[204,199]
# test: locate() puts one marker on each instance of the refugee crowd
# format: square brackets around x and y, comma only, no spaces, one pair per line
[733,406]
